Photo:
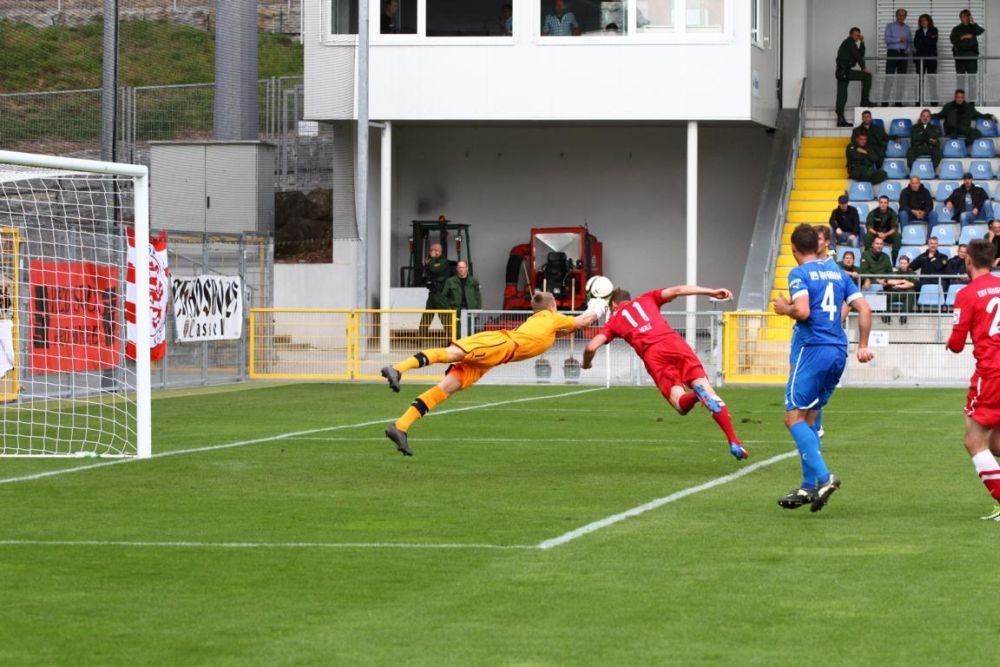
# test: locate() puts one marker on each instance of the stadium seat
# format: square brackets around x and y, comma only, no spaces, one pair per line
[900,127]
[841,249]
[930,297]
[946,233]
[863,209]
[973,232]
[953,148]
[860,191]
[936,122]
[914,234]
[896,168]
[890,189]
[944,190]
[922,167]
[981,170]
[897,149]
[910,251]
[986,185]
[987,127]
[951,170]
[943,214]
[879,122]
[953,290]
[983,148]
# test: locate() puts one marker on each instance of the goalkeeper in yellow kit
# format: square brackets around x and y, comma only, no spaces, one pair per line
[474,356]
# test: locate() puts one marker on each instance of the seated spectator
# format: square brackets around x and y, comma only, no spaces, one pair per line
[902,290]
[883,223]
[846,223]
[862,164]
[877,138]
[874,262]
[925,140]
[956,267]
[959,118]
[560,23]
[847,265]
[930,262]
[993,236]
[916,204]
[969,202]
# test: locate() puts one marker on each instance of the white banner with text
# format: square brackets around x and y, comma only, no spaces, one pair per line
[207,307]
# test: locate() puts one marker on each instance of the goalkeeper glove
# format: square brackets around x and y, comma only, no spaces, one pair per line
[598,307]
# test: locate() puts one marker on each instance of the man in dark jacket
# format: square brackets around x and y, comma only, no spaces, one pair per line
[462,290]
[916,204]
[955,266]
[877,138]
[851,53]
[930,262]
[969,202]
[437,270]
[861,162]
[965,43]
[846,223]
[883,223]
[925,140]
[959,118]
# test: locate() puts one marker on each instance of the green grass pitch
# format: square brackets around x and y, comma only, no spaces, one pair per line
[310,541]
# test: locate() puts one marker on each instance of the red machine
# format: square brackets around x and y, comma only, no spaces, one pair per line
[557,260]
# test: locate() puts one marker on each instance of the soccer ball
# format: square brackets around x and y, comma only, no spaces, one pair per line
[599,287]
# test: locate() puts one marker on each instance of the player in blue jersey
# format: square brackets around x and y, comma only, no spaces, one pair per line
[818,291]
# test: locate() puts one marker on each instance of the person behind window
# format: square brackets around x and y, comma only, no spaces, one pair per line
[390,21]
[561,23]
[506,20]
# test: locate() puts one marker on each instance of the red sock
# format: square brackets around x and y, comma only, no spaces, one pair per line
[687,401]
[724,421]
[992,481]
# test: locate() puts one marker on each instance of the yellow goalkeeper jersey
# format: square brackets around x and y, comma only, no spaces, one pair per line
[538,333]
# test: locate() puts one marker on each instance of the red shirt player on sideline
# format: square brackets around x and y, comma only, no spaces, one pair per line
[668,358]
[977,311]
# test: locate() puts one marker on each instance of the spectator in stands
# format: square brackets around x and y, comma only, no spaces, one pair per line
[959,118]
[901,288]
[930,262]
[883,223]
[925,44]
[877,138]
[898,44]
[506,19]
[965,44]
[437,270]
[390,22]
[846,223]
[925,139]
[847,265]
[874,262]
[560,23]
[956,267]
[993,236]
[969,202]
[916,204]
[462,290]
[851,53]
[861,162]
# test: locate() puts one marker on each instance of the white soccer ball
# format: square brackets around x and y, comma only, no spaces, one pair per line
[599,287]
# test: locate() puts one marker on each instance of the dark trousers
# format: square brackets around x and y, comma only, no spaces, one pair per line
[852,75]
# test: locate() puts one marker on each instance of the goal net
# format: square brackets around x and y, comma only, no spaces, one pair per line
[68,387]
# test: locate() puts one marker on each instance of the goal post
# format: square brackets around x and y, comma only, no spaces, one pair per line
[68,388]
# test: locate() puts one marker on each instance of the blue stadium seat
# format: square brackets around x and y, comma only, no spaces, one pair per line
[947,233]
[841,249]
[986,185]
[879,122]
[890,189]
[948,250]
[953,148]
[897,148]
[860,191]
[910,251]
[936,122]
[914,234]
[983,148]
[987,127]
[922,167]
[930,297]
[900,127]
[972,232]
[944,190]
[981,170]
[863,209]
[896,168]
[953,290]
[951,170]
[943,214]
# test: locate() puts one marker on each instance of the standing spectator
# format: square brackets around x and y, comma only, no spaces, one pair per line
[846,223]
[816,299]
[877,138]
[965,47]
[960,117]
[462,290]
[850,53]
[883,223]
[925,44]
[930,262]
[898,44]
[956,267]
[925,139]
[969,202]
[975,313]
[861,162]
[560,23]
[848,266]
[993,236]
[916,204]
[874,262]
[506,19]
[390,20]
[437,270]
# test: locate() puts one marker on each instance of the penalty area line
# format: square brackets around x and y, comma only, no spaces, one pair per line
[185,544]
[659,502]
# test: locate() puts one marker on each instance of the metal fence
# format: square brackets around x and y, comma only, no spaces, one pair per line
[917,87]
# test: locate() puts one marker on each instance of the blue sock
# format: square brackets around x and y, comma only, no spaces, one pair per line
[807,442]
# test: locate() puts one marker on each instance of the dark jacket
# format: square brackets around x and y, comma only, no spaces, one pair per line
[965,47]
[453,292]
[856,158]
[959,115]
[877,138]
[846,221]
[929,266]
[920,200]
[882,222]
[925,45]
[872,264]
[850,54]
[957,200]
[925,135]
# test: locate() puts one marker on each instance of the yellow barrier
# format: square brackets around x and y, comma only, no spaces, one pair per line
[340,344]
[755,348]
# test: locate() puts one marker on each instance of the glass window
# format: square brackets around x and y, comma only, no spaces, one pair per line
[469,18]
[704,15]
[560,18]
[344,17]
[398,17]
[654,16]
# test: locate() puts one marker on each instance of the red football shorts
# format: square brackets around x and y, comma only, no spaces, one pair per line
[983,401]
[670,366]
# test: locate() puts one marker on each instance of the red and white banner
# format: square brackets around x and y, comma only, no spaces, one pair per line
[159,297]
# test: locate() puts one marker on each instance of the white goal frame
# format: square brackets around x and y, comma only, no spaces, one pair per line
[139,175]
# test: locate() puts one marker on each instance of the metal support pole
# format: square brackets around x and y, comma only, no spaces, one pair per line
[385,235]
[361,189]
[109,83]
[691,274]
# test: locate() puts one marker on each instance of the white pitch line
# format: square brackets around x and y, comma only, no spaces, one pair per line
[660,502]
[256,545]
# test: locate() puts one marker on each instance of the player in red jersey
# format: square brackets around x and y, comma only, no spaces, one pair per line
[977,312]
[668,358]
